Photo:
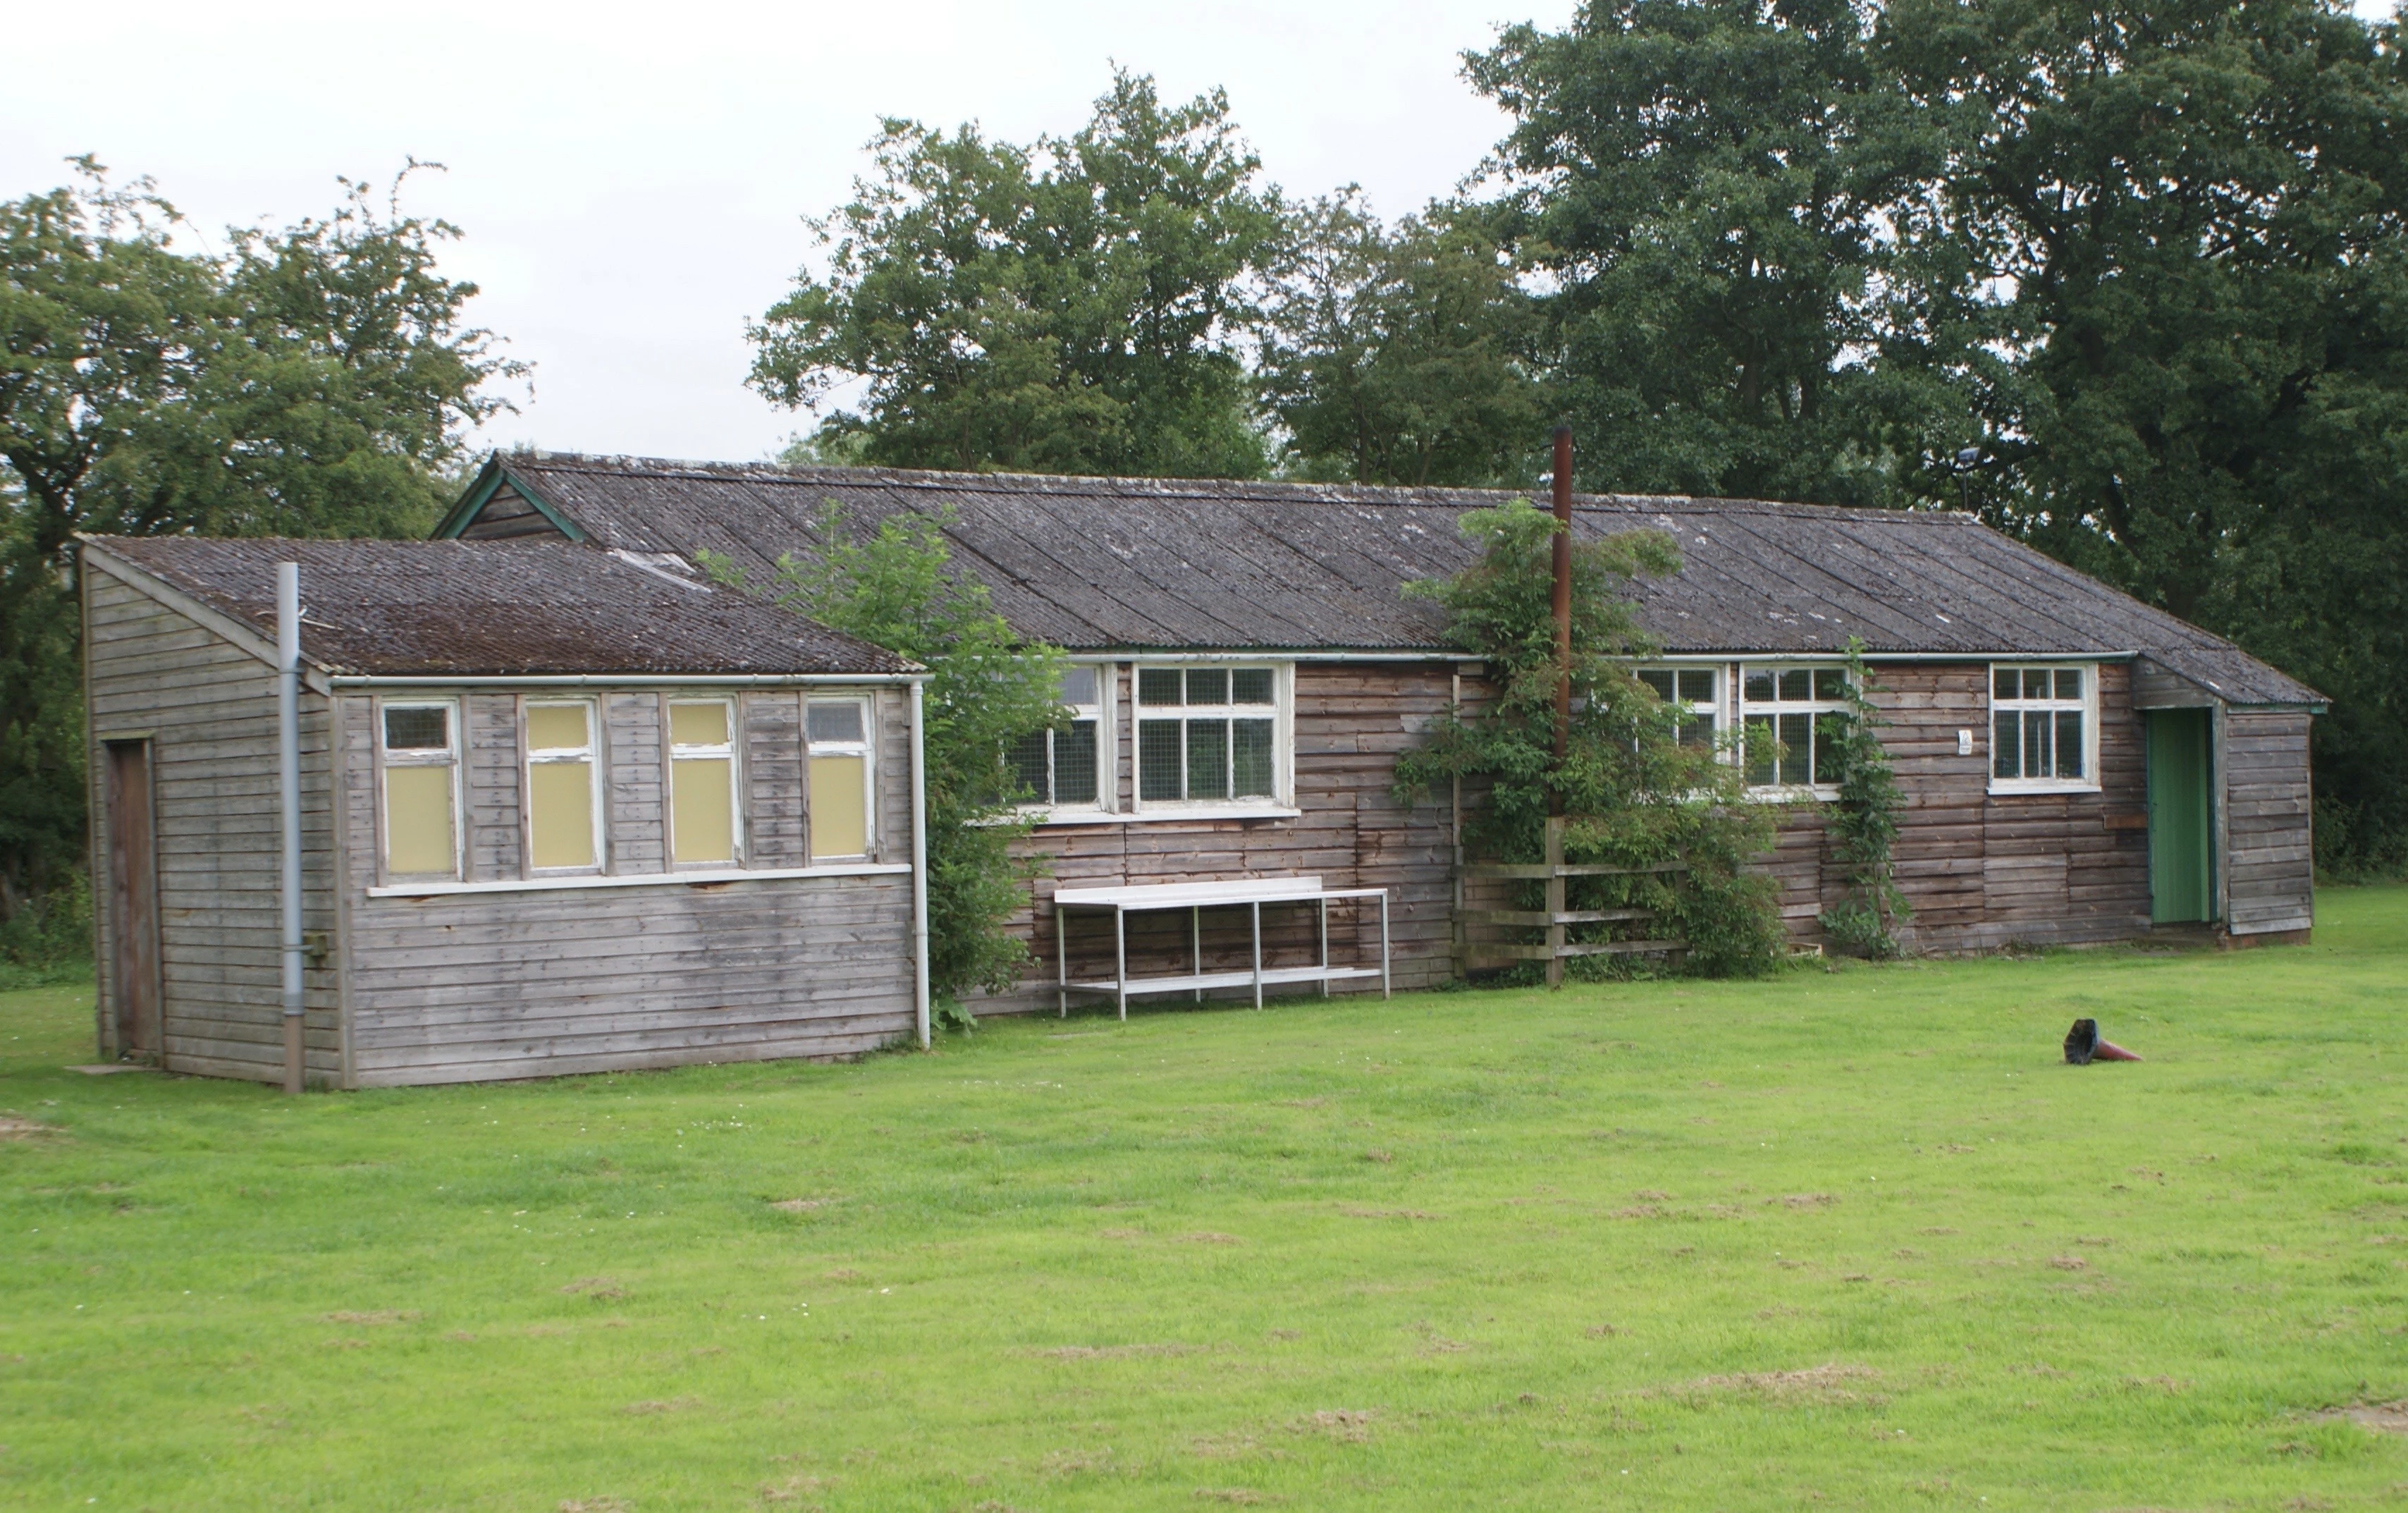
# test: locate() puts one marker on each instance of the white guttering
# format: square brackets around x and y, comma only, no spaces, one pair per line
[623,680]
[288,796]
[919,866]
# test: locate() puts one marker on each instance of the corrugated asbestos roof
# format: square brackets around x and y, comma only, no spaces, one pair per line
[1145,563]
[496,609]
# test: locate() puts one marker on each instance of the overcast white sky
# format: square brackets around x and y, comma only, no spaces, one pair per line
[631,177]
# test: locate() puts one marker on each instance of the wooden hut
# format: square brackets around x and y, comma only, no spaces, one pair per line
[563,810]
[2078,766]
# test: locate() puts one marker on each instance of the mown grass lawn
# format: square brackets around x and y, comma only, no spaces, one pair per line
[1852,1237]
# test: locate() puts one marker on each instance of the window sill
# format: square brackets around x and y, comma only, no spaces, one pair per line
[732,874]
[1146,817]
[2007,789]
[1794,796]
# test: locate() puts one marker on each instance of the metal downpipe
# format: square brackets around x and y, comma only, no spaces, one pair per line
[288,795]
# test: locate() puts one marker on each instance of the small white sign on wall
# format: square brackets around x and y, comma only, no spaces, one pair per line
[1964,742]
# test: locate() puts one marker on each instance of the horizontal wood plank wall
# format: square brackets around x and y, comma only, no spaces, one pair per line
[2271,884]
[1351,722]
[773,780]
[211,708]
[496,848]
[464,987]
[1985,870]
[637,812]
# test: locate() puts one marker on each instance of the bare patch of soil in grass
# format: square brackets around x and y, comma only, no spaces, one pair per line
[657,1406]
[16,1126]
[380,1316]
[1387,1213]
[1803,1199]
[1240,1497]
[2387,1418]
[1819,1384]
[1347,1426]
[600,1289]
[802,1205]
[1113,1353]
[1209,1237]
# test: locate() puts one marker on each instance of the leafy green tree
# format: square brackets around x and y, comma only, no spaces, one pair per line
[1399,354]
[1704,186]
[986,689]
[2187,228]
[1074,306]
[1637,786]
[314,381]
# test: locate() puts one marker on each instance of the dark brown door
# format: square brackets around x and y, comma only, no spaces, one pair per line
[133,900]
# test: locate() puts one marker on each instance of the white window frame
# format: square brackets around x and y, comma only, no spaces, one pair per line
[1815,707]
[1709,708]
[727,753]
[1281,800]
[866,748]
[424,756]
[2087,705]
[1100,709]
[590,754]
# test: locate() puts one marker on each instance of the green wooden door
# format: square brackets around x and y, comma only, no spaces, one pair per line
[2182,817]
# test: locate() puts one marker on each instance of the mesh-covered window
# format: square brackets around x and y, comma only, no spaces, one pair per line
[1785,731]
[1059,769]
[2041,722]
[421,803]
[1207,735]
[1691,689]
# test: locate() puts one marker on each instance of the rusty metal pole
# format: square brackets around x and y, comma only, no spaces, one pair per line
[1563,607]
[1563,491]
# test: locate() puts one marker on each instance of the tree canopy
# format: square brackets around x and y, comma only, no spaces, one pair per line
[317,381]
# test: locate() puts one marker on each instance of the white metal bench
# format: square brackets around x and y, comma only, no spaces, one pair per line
[1251,892]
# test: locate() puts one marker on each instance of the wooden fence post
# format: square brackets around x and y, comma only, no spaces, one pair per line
[1555,901]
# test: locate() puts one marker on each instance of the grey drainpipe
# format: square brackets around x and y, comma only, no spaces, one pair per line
[919,866]
[287,794]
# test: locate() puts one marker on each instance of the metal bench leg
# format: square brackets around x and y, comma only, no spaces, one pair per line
[1258,954]
[1195,933]
[1120,957]
[1383,943]
[1061,964]
[1325,947]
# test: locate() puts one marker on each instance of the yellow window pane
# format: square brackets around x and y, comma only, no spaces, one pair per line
[561,812]
[556,726]
[417,820]
[839,815]
[699,725]
[702,812]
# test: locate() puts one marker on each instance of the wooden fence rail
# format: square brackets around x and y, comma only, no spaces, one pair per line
[1473,954]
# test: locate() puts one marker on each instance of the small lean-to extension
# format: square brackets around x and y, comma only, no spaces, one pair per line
[288,796]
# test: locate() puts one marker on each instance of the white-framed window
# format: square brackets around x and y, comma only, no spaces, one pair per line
[705,810]
[837,734]
[1693,689]
[2043,726]
[564,804]
[1785,740]
[1209,735]
[1063,769]
[419,743]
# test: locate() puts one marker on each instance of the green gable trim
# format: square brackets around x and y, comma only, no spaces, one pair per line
[489,482]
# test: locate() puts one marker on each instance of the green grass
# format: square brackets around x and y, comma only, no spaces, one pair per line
[1852,1235]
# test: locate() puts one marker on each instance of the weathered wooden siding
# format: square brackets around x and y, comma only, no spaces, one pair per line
[209,706]
[1985,870]
[2270,852]
[1351,722]
[481,985]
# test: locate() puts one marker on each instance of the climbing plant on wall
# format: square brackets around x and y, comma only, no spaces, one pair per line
[1862,822]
